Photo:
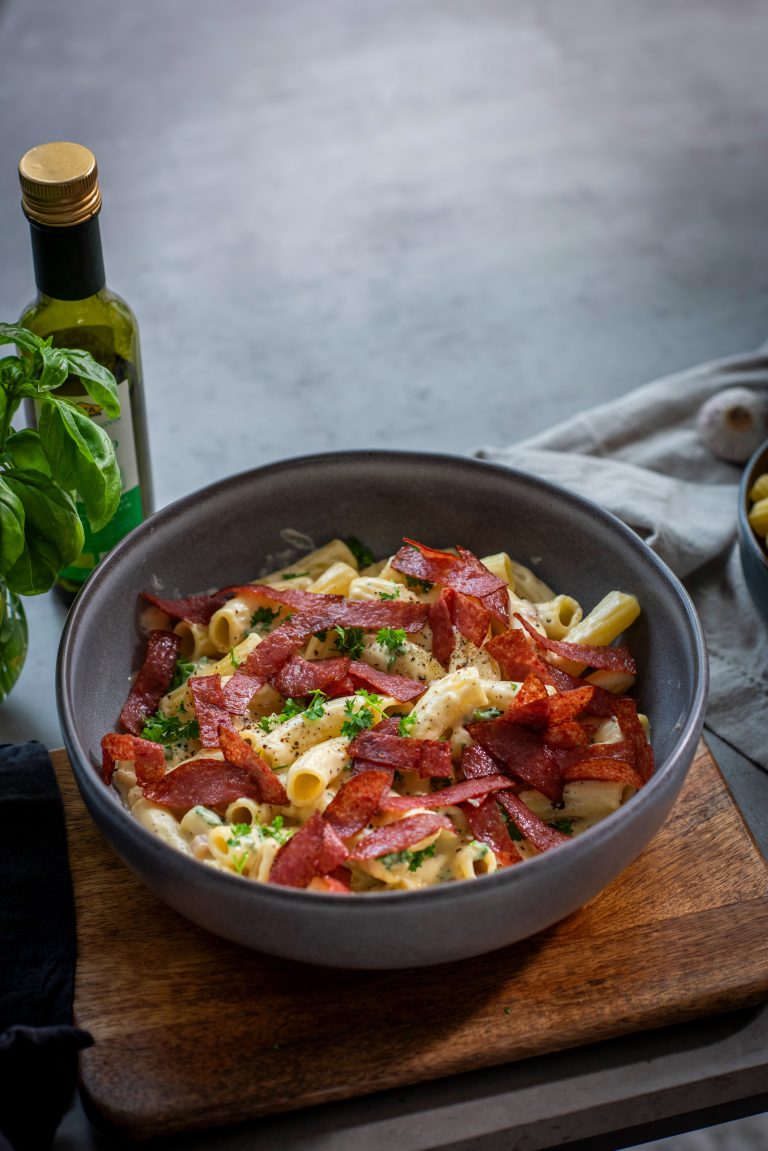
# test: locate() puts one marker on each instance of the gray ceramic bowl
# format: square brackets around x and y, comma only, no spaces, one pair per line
[221,536]
[754,559]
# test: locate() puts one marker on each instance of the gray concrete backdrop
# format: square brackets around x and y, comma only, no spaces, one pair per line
[397,223]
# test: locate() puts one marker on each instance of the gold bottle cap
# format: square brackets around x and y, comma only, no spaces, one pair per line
[59,184]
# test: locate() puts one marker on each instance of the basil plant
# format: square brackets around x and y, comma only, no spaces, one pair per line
[40,470]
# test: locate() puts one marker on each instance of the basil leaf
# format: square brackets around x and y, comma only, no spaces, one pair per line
[80,457]
[53,534]
[15,334]
[99,382]
[11,527]
[26,451]
[54,369]
[13,371]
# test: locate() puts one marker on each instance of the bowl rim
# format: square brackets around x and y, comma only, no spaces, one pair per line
[365,903]
[757,463]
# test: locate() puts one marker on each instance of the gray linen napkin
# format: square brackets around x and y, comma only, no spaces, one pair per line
[640,458]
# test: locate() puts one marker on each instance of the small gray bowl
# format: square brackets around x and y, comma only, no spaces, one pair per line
[754,560]
[224,534]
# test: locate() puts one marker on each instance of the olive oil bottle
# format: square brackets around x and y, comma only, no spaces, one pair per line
[61,200]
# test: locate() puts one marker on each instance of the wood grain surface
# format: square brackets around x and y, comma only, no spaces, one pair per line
[192,1031]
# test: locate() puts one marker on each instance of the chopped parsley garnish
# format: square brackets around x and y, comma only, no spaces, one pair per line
[390,594]
[486,713]
[181,673]
[321,635]
[364,716]
[169,729]
[406,724]
[240,861]
[290,709]
[273,830]
[362,554]
[393,639]
[294,575]
[349,640]
[421,584]
[238,831]
[563,825]
[233,659]
[264,617]
[316,707]
[414,859]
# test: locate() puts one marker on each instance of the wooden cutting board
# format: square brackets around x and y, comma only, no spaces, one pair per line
[191,1031]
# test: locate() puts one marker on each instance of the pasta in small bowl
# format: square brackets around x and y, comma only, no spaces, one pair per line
[388,753]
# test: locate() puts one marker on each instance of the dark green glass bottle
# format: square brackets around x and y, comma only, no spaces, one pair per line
[61,200]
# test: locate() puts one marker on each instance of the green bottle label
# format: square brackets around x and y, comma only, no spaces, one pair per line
[129,510]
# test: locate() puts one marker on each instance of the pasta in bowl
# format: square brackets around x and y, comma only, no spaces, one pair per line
[352,726]
[395,781]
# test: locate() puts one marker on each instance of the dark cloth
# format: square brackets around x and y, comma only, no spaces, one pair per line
[38,1043]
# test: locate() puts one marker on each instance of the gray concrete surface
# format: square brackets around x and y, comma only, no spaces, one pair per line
[404,223]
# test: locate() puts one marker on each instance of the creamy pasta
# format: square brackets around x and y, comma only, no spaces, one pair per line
[352,726]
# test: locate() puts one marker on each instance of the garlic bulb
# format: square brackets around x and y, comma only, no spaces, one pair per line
[733,423]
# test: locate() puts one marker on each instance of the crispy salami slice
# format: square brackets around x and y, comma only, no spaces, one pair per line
[476,762]
[517,657]
[543,710]
[359,766]
[625,710]
[532,687]
[301,676]
[569,733]
[152,681]
[605,658]
[345,686]
[528,824]
[524,754]
[399,687]
[356,801]
[487,824]
[455,612]
[314,850]
[615,770]
[241,754]
[367,613]
[303,601]
[240,690]
[470,617]
[448,796]
[210,707]
[435,761]
[339,883]
[475,576]
[441,626]
[400,836]
[148,757]
[208,782]
[267,660]
[193,609]
[428,757]
[463,572]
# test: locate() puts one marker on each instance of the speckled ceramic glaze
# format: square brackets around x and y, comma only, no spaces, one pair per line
[225,534]
[754,560]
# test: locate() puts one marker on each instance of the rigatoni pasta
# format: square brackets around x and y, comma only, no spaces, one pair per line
[356,726]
